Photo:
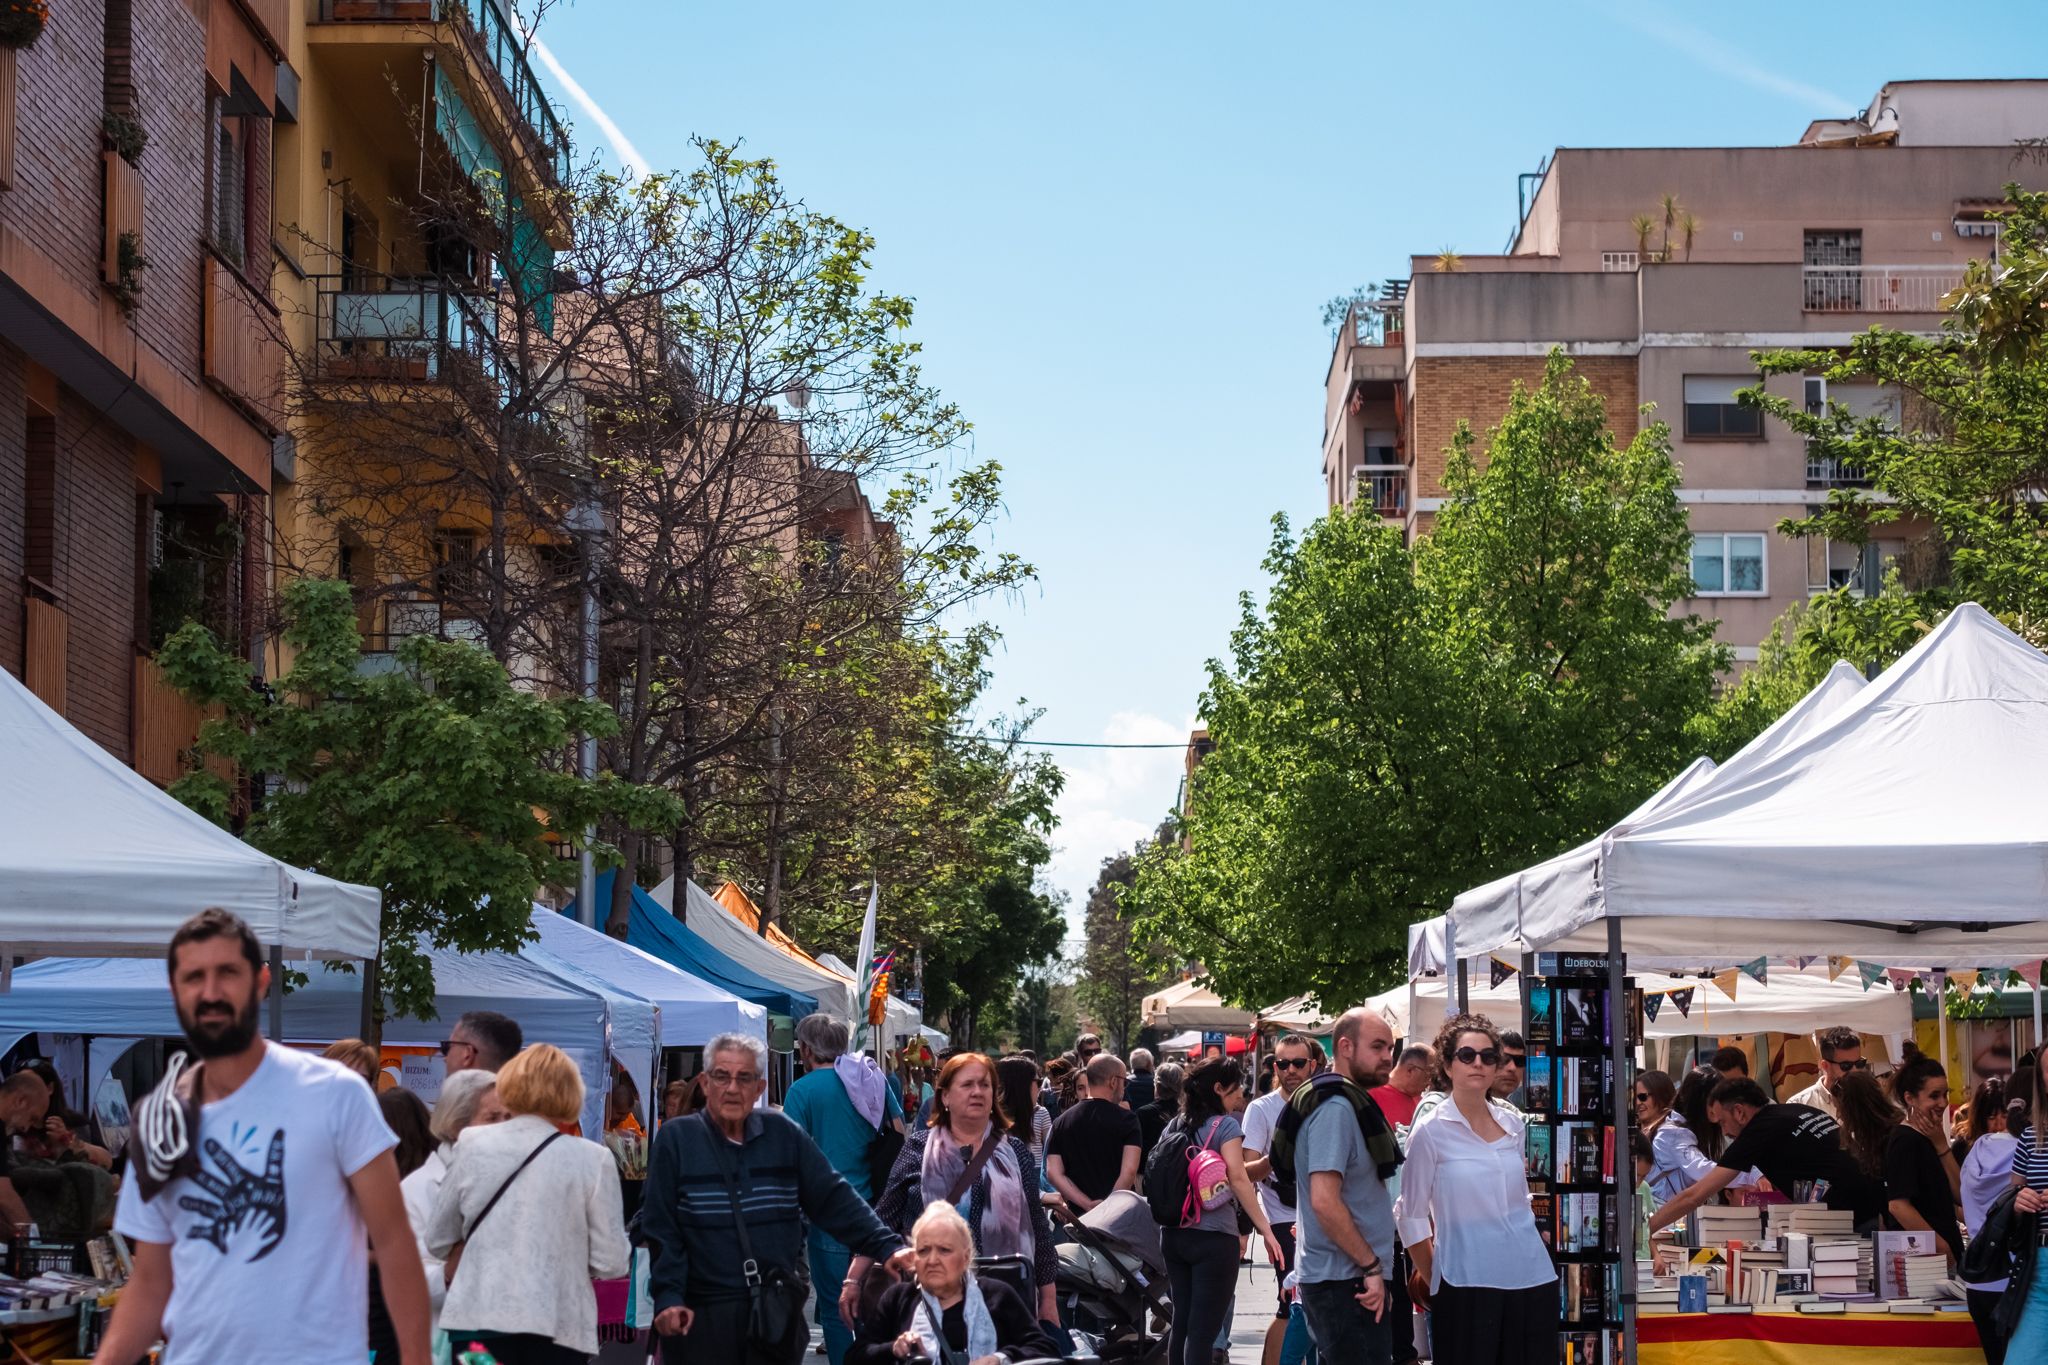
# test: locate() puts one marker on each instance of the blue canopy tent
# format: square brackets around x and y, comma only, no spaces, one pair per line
[654,930]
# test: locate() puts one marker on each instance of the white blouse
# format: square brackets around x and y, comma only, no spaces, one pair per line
[1676,1162]
[1472,1196]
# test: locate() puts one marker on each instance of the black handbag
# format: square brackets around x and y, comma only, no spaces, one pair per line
[775,1298]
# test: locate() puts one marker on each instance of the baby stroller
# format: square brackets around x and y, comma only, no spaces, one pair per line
[1113,1277]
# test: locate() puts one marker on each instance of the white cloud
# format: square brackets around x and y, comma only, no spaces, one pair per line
[1112,799]
[1718,55]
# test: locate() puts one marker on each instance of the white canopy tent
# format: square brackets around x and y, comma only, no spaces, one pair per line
[1792,1002]
[1191,1005]
[99,861]
[1908,828]
[1300,1014]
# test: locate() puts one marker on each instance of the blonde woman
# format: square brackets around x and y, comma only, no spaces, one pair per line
[535,1214]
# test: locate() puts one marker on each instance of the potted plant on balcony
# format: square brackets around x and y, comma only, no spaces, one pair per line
[125,136]
[22,22]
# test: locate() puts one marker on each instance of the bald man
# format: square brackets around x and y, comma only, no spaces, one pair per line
[1345,1227]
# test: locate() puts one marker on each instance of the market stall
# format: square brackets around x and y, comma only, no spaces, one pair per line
[1192,1005]
[717,926]
[1807,1339]
[100,861]
[655,931]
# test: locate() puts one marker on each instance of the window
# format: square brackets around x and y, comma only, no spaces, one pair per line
[1618,262]
[1712,412]
[1728,565]
[1834,271]
[229,227]
[458,567]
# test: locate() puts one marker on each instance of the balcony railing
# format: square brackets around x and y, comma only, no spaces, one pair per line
[1879,288]
[501,46]
[1376,323]
[1384,487]
[1831,471]
[406,618]
[387,328]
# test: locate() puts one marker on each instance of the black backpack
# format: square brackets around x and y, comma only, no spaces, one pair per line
[1166,1174]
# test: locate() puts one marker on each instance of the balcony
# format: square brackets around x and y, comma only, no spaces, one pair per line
[390,329]
[1878,288]
[244,350]
[46,646]
[1384,487]
[498,47]
[403,619]
[1831,471]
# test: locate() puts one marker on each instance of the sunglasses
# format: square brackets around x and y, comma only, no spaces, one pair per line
[1514,1058]
[1642,1098]
[448,1043]
[1860,1064]
[1485,1056]
[1289,1063]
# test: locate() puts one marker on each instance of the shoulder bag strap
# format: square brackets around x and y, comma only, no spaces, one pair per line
[750,1268]
[545,1143]
[967,1177]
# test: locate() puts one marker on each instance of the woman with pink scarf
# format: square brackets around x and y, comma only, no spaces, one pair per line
[968,1157]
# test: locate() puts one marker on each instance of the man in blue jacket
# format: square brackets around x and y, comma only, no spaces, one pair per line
[734,1153]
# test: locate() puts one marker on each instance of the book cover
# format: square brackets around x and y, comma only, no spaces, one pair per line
[1579,1009]
[1541,1027]
[1536,1151]
[1544,1208]
[1538,1083]
[1585,1153]
[1692,1293]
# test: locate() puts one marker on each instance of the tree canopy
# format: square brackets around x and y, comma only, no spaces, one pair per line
[1397,724]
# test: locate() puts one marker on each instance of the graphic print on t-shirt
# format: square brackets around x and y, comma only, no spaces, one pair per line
[246,1216]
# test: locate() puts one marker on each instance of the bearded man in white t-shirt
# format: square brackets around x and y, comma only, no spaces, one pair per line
[255,1179]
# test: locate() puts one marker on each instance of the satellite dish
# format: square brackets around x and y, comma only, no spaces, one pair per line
[798,395]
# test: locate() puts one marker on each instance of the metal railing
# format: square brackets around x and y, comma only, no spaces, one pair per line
[1376,322]
[1832,471]
[1383,486]
[1878,288]
[377,11]
[383,327]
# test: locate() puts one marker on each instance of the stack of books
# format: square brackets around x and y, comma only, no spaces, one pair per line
[1814,1220]
[1841,1265]
[1910,1264]
[1713,1225]
[1752,1266]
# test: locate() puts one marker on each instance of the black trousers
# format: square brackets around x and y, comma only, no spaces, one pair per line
[1983,1303]
[519,1348]
[1400,1311]
[718,1336]
[1479,1326]
[1201,1274]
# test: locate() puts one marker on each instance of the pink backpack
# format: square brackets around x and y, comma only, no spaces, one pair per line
[1208,1180]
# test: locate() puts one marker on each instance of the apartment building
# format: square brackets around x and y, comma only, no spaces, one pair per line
[138,382]
[1865,220]
[414,220]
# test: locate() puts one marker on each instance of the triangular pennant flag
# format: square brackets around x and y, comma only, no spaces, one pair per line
[1683,1000]
[1901,977]
[1964,982]
[1499,971]
[1800,964]
[2030,972]
[1726,981]
[1838,965]
[1651,1004]
[1758,970]
[1870,972]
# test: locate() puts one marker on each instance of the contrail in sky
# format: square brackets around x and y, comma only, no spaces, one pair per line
[1727,59]
[622,146]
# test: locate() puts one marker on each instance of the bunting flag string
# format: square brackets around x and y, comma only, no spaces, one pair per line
[1800,964]
[1499,971]
[1838,965]
[1651,1004]
[1757,970]
[2030,972]
[1683,1000]
[1901,977]
[1726,981]
[1964,982]
[1870,972]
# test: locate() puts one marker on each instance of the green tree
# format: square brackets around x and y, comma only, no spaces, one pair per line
[436,782]
[1958,471]
[1119,965]
[1396,725]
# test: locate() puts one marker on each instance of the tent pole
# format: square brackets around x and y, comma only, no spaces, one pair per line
[1620,1023]
[276,992]
[1941,1014]
[1464,990]
[2037,1011]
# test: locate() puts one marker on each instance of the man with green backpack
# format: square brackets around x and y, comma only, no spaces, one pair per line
[1341,1151]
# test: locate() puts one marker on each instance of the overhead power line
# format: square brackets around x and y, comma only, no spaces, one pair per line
[1067,743]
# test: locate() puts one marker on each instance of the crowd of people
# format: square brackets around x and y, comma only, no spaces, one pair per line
[920,1212]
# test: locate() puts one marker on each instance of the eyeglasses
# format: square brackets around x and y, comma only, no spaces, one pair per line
[1289,1063]
[1514,1058]
[728,1079]
[448,1044]
[1642,1098]
[1485,1056]
[1860,1064]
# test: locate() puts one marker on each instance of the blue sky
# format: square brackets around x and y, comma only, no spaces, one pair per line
[1120,222]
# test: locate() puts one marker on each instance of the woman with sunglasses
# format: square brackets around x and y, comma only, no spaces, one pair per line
[1480,1265]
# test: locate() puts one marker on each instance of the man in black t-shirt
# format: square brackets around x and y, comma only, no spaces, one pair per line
[1795,1146]
[1094,1146]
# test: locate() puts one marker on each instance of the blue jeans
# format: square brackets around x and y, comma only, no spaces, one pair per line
[1295,1346]
[1345,1334]
[829,1261]
[2030,1335]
